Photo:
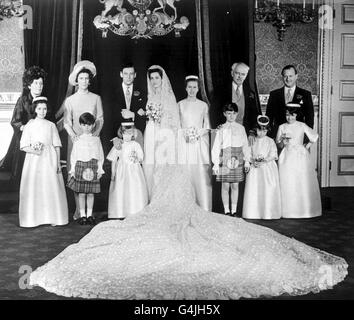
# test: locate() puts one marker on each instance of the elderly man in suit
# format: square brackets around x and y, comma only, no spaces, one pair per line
[244,97]
[239,92]
[289,93]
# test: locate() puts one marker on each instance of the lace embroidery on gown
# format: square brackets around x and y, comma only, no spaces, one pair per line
[175,250]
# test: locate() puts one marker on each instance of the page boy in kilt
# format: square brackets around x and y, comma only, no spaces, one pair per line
[86,168]
[230,156]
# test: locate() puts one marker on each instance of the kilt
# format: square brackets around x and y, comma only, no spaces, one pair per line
[85,178]
[231,165]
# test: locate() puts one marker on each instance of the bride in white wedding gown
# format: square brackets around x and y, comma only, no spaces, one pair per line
[174,249]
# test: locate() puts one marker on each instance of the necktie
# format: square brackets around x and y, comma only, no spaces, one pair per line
[238,92]
[288,96]
[127,98]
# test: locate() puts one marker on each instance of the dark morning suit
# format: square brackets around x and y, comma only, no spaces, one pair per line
[138,100]
[276,108]
[252,108]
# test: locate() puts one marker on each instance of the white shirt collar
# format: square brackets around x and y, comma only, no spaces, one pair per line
[234,86]
[124,86]
[292,90]
[228,125]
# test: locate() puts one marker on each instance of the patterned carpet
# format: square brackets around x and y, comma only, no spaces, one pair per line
[22,249]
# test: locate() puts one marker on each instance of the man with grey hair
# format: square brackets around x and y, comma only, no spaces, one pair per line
[239,92]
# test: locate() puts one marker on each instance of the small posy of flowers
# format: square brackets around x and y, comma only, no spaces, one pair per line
[258,159]
[154,111]
[285,136]
[38,146]
[133,157]
[192,135]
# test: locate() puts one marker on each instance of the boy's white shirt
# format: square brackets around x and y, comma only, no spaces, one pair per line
[85,148]
[230,134]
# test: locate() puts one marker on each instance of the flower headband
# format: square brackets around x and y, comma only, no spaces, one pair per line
[262,120]
[127,124]
[293,105]
[39,99]
[191,77]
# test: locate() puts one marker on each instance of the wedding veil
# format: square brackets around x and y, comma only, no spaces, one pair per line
[170,113]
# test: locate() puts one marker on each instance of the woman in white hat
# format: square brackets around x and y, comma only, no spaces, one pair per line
[80,102]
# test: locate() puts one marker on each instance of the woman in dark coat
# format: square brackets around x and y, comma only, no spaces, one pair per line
[33,80]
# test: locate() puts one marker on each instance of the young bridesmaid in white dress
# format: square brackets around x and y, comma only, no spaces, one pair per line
[128,193]
[262,192]
[300,193]
[42,190]
[194,142]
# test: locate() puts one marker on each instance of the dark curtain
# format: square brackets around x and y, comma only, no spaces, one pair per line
[49,45]
[178,56]
[231,39]
[231,33]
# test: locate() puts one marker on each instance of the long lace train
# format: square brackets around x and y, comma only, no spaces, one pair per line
[174,249]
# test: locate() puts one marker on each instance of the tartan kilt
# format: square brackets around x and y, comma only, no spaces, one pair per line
[85,178]
[230,171]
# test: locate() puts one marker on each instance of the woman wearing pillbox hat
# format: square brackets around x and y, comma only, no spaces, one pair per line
[80,102]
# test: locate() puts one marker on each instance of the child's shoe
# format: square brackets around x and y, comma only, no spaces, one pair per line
[82,221]
[91,221]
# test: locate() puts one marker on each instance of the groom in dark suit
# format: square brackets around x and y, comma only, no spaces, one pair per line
[130,101]
[290,93]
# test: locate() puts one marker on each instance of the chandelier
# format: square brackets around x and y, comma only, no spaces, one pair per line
[141,22]
[280,14]
[10,8]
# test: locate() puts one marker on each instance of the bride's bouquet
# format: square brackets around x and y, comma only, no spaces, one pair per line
[38,146]
[192,135]
[154,111]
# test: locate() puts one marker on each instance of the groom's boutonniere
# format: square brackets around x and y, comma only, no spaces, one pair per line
[299,97]
[136,93]
[252,96]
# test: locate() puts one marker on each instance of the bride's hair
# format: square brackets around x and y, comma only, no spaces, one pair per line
[159,71]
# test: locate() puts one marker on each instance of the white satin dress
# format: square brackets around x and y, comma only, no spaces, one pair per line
[128,192]
[196,155]
[174,249]
[300,192]
[42,190]
[262,191]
